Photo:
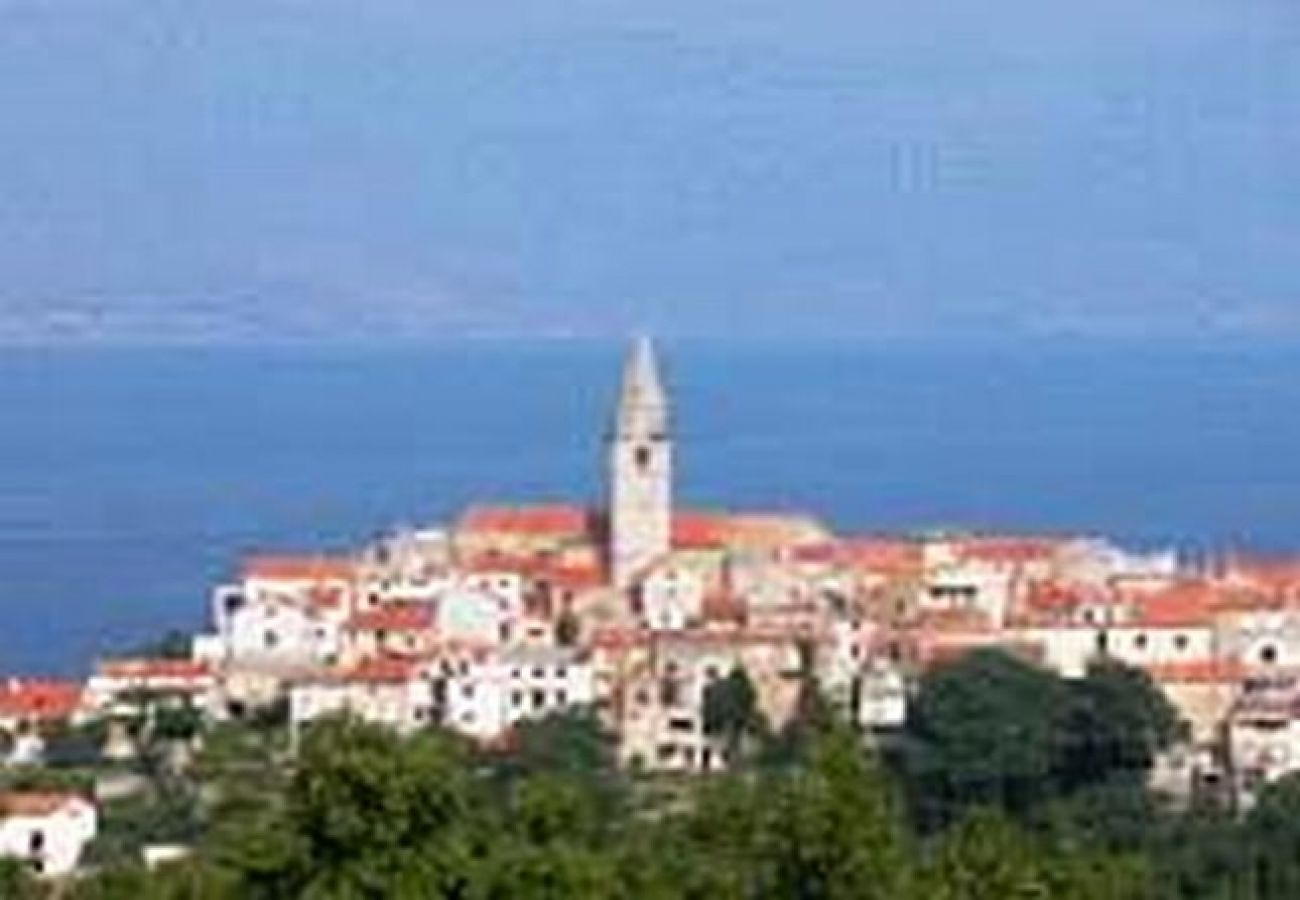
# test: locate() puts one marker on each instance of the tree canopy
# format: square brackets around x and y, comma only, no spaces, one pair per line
[1032,778]
[990,729]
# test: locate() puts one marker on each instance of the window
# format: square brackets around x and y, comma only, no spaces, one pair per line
[561,698]
[1268,655]
[1180,642]
[669,692]
[270,640]
[516,698]
[642,457]
[1140,642]
[539,699]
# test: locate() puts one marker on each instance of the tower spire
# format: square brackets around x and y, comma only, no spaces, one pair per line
[642,403]
[640,468]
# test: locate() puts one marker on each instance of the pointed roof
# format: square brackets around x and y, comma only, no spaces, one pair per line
[642,402]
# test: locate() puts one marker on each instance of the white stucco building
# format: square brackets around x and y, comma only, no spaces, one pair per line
[484,698]
[46,830]
[392,692]
[284,613]
[671,596]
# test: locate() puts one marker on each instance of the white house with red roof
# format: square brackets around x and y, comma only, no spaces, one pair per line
[400,628]
[285,612]
[1173,625]
[388,691]
[28,704]
[46,830]
[983,573]
[118,680]
[486,697]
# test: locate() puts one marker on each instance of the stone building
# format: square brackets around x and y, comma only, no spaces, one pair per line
[640,470]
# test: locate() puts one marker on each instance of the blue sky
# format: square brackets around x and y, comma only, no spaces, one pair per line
[225,170]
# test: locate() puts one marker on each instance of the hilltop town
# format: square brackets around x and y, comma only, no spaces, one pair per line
[635,607]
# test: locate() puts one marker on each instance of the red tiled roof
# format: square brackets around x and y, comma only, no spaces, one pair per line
[616,637]
[730,635]
[1179,605]
[1008,550]
[1055,596]
[939,653]
[382,670]
[695,530]
[952,621]
[393,616]
[1202,671]
[721,606]
[1273,573]
[538,569]
[299,568]
[888,555]
[39,699]
[546,520]
[36,803]
[825,553]
[324,596]
[172,669]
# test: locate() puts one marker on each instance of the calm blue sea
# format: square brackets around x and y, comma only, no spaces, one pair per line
[131,479]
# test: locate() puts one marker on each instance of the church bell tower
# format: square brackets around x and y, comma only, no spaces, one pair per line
[640,458]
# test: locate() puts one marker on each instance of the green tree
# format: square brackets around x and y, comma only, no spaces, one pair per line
[166,813]
[1116,721]
[573,741]
[567,629]
[185,880]
[984,730]
[988,857]
[985,857]
[731,713]
[836,831]
[176,722]
[1270,841]
[173,644]
[377,815]
[814,717]
[16,881]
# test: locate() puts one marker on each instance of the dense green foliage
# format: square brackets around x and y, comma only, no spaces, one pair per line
[731,712]
[1009,783]
[173,644]
[991,730]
